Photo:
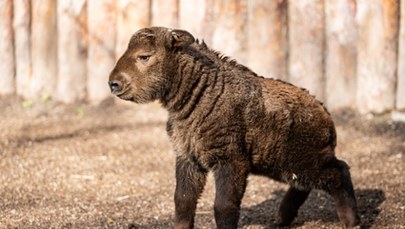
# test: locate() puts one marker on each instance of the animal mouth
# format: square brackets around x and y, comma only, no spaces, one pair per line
[124,94]
[123,91]
[126,97]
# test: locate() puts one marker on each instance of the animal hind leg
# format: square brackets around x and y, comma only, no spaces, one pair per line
[290,204]
[340,188]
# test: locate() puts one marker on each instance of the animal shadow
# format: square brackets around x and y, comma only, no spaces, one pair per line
[318,207]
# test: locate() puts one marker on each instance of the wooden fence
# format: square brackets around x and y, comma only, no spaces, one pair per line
[349,53]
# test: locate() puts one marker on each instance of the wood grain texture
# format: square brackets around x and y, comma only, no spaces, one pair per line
[377,23]
[132,15]
[101,55]
[7,64]
[22,45]
[192,15]
[72,50]
[227,29]
[341,53]
[165,13]
[44,49]
[306,45]
[400,96]
[267,38]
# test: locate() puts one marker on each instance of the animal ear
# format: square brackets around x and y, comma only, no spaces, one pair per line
[181,38]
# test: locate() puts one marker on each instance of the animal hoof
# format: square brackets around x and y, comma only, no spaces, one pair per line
[282,225]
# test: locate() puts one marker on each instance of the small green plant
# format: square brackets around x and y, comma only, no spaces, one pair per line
[27,104]
[79,112]
[45,98]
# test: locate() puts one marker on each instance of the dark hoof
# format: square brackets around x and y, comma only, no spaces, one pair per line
[282,225]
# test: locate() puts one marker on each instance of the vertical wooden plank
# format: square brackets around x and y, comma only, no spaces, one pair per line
[132,15]
[400,96]
[101,48]
[306,45]
[341,55]
[165,13]
[22,44]
[377,22]
[226,27]
[267,37]
[192,16]
[7,67]
[44,41]
[72,50]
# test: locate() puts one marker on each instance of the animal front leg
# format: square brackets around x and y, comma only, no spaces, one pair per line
[290,204]
[190,181]
[230,181]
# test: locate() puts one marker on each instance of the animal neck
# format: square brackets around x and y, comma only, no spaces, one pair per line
[188,84]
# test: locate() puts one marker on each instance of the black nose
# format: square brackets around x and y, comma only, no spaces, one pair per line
[113,85]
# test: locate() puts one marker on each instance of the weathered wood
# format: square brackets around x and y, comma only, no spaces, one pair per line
[101,47]
[22,46]
[44,48]
[400,96]
[226,26]
[72,50]
[377,54]
[131,16]
[7,66]
[344,52]
[341,55]
[165,13]
[306,45]
[192,16]
[267,37]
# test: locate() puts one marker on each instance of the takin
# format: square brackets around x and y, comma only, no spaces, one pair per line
[226,119]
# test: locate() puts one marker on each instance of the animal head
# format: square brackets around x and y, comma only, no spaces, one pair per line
[143,72]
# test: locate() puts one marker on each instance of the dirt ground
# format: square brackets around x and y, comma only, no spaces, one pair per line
[112,166]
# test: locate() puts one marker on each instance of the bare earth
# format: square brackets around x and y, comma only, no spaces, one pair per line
[112,166]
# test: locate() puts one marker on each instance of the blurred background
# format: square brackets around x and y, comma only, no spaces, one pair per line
[349,53]
[73,157]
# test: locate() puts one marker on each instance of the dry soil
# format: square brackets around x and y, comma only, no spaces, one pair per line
[112,166]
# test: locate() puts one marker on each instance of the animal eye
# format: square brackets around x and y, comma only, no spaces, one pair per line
[143,58]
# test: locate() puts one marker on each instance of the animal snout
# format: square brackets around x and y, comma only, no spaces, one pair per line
[114,85]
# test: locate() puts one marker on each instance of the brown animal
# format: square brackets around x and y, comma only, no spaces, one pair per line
[226,119]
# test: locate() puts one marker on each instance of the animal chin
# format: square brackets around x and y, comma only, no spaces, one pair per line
[125,95]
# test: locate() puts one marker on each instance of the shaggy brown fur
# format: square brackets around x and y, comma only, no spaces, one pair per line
[224,118]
